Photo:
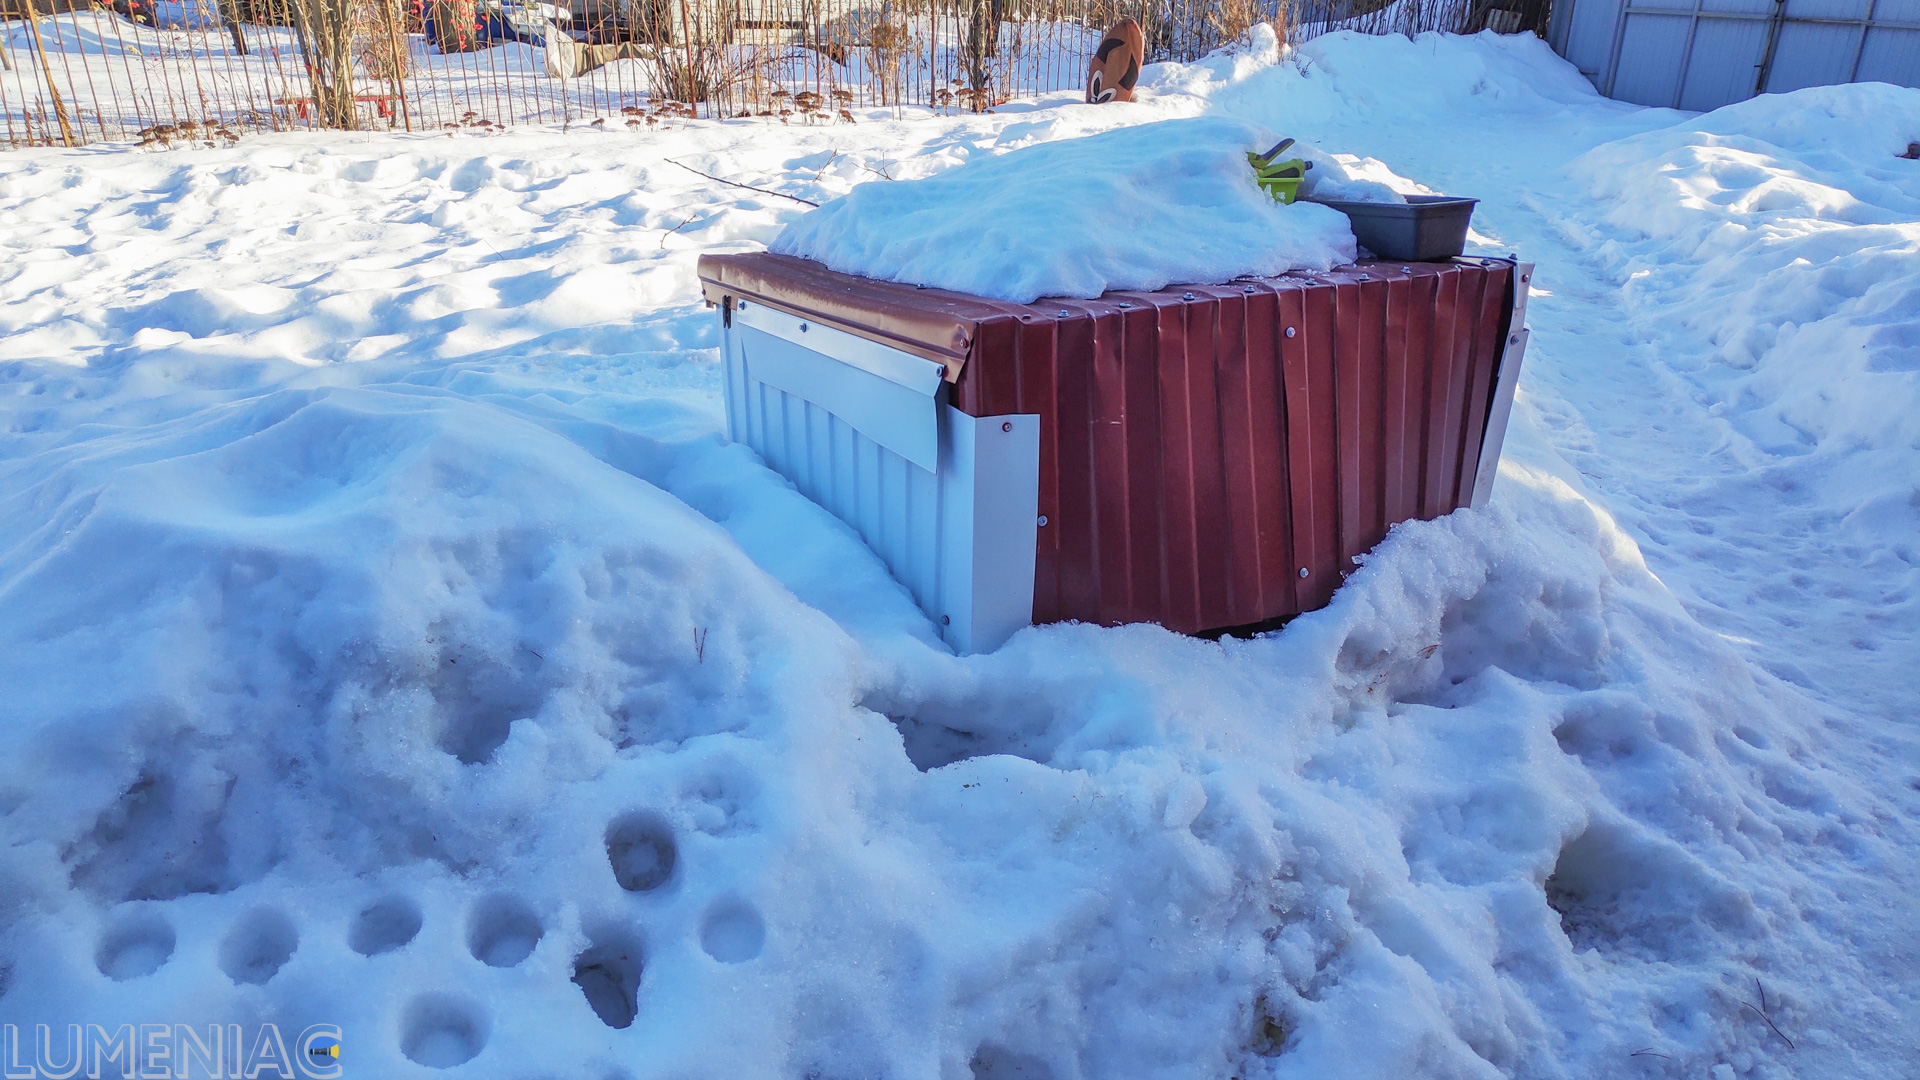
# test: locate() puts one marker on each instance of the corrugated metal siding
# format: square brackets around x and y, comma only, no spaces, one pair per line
[1194,457]
[891,502]
[1702,54]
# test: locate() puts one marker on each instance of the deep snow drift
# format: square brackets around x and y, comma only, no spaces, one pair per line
[391,640]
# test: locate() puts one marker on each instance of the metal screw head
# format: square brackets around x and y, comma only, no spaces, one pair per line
[1514,340]
[1006,425]
[1365,277]
[919,286]
[1303,571]
[1125,304]
[1186,296]
[1290,331]
[1406,269]
[803,328]
[1246,289]
[946,620]
[1063,313]
[1524,278]
[743,305]
[1043,521]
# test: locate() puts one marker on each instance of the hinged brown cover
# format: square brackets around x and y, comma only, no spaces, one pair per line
[932,323]
[1202,446]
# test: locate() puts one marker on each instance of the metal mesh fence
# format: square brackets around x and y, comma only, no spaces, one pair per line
[164,71]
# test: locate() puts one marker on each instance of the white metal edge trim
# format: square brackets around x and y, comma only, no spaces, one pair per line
[735,373]
[916,373]
[1495,437]
[989,528]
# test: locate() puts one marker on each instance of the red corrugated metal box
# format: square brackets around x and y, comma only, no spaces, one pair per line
[1210,456]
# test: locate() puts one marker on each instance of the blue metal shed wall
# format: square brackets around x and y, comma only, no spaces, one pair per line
[1702,54]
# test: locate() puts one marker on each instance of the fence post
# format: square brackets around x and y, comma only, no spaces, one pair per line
[46,68]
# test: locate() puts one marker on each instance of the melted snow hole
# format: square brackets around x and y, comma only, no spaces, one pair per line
[641,849]
[136,946]
[441,1031]
[386,925]
[258,946]
[732,932]
[502,931]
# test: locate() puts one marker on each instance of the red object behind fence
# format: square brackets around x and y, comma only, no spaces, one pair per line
[1210,456]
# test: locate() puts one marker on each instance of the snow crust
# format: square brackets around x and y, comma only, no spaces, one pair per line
[388,637]
[1135,208]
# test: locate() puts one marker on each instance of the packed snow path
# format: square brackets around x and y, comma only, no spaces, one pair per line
[391,641]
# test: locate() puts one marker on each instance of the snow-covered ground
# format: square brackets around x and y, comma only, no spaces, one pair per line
[391,640]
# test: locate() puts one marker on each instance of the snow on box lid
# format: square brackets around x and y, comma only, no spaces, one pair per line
[1139,207]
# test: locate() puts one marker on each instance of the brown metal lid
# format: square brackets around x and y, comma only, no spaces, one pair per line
[932,323]
[936,324]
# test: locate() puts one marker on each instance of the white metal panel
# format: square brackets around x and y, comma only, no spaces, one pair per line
[904,421]
[1813,54]
[1724,64]
[1701,54]
[1891,55]
[957,531]
[1590,37]
[1828,9]
[913,372]
[1651,53]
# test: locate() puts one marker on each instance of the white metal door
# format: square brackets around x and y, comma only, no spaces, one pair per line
[948,501]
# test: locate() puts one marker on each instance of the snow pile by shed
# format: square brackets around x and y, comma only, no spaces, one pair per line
[1785,232]
[1135,208]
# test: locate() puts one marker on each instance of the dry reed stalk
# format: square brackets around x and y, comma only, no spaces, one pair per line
[394,28]
[328,26]
[1232,20]
[46,68]
[371,24]
[892,42]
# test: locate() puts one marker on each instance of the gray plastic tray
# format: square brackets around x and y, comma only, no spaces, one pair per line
[1422,229]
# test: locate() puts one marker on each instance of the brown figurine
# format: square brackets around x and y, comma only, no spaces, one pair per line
[1116,63]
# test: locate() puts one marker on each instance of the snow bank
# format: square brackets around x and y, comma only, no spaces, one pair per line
[1137,208]
[1785,232]
[388,638]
